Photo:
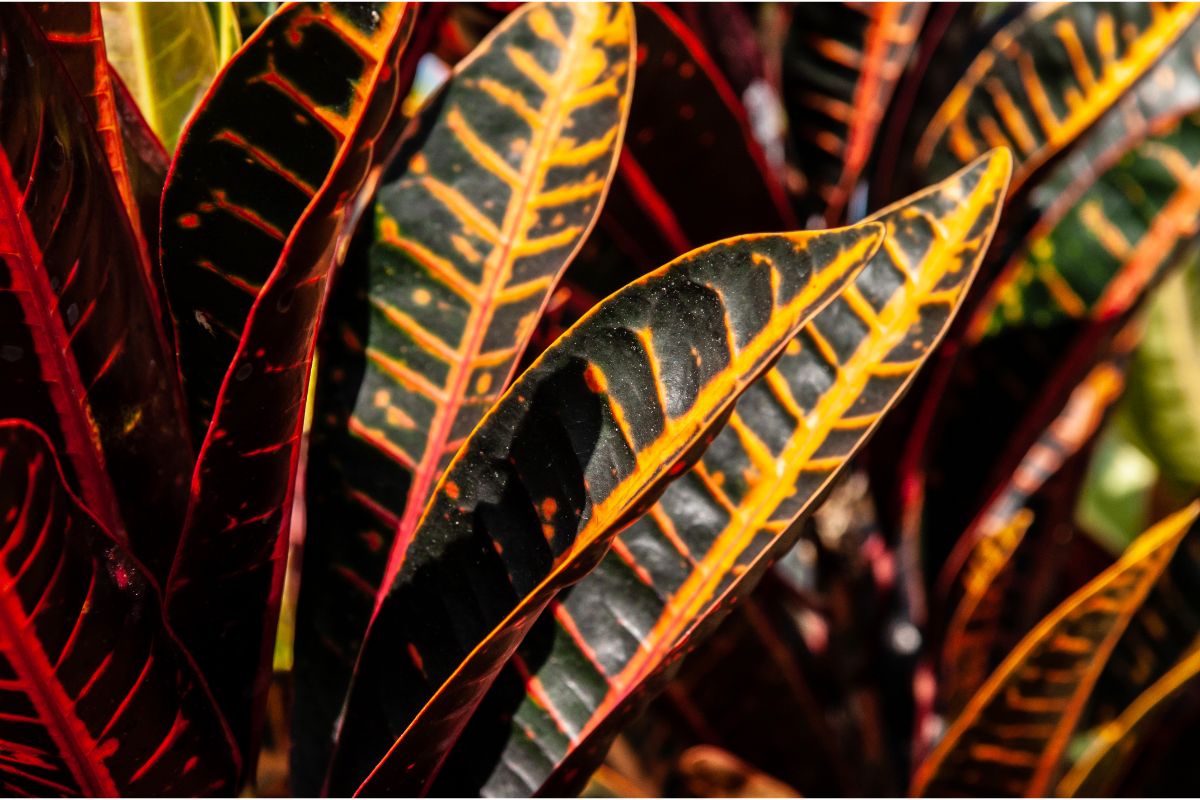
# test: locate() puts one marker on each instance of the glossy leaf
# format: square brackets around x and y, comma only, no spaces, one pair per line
[166,56]
[487,202]
[84,354]
[581,444]
[841,64]
[1045,78]
[672,573]
[253,219]
[1009,739]
[97,697]
[661,205]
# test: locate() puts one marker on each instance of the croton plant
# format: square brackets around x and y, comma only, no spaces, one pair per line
[325,469]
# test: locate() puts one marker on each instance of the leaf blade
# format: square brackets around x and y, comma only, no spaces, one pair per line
[449,311]
[88,660]
[671,573]
[639,419]
[1110,600]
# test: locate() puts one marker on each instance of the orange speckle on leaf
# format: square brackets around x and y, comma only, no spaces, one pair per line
[595,379]
[452,490]
[422,297]
[483,383]
[189,220]
[549,507]
[687,69]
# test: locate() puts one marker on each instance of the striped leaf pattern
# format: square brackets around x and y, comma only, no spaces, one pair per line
[671,574]
[95,696]
[841,64]
[1045,78]
[581,444]
[251,162]
[484,207]
[1009,739]
[80,333]
[224,588]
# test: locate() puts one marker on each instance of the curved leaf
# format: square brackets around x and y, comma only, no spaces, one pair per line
[1095,772]
[841,64]
[984,553]
[1011,736]
[97,697]
[1045,78]
[264,189]
[82,350]
[581,444]
[1050,316]
[672,574]
[486,204]
[166,56]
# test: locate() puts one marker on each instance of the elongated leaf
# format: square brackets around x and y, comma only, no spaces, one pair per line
[1049,317]
[841,64]
[671,574]
[971,636]
[661,205]
[1009,739]
[482,210]
[84,353]
[264,189]
[166,56]
[583,442]
[1045,78]
[1096,772]
[97,697]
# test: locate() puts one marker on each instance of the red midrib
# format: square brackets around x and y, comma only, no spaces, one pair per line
[59,371]
[427,471]
[46,694]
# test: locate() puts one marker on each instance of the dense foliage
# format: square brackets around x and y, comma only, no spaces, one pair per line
[324,468]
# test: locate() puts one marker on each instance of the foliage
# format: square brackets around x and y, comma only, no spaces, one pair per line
[295,344]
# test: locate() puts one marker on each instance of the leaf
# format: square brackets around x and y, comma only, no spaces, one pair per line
[672,574]
[83,354]
[1049,316]
[97,697]
[984,553]
[660,204]
[841,64]
[264,190]
[1011,736]
[484,207]
[166,56]
[1045,78]
[580,445]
